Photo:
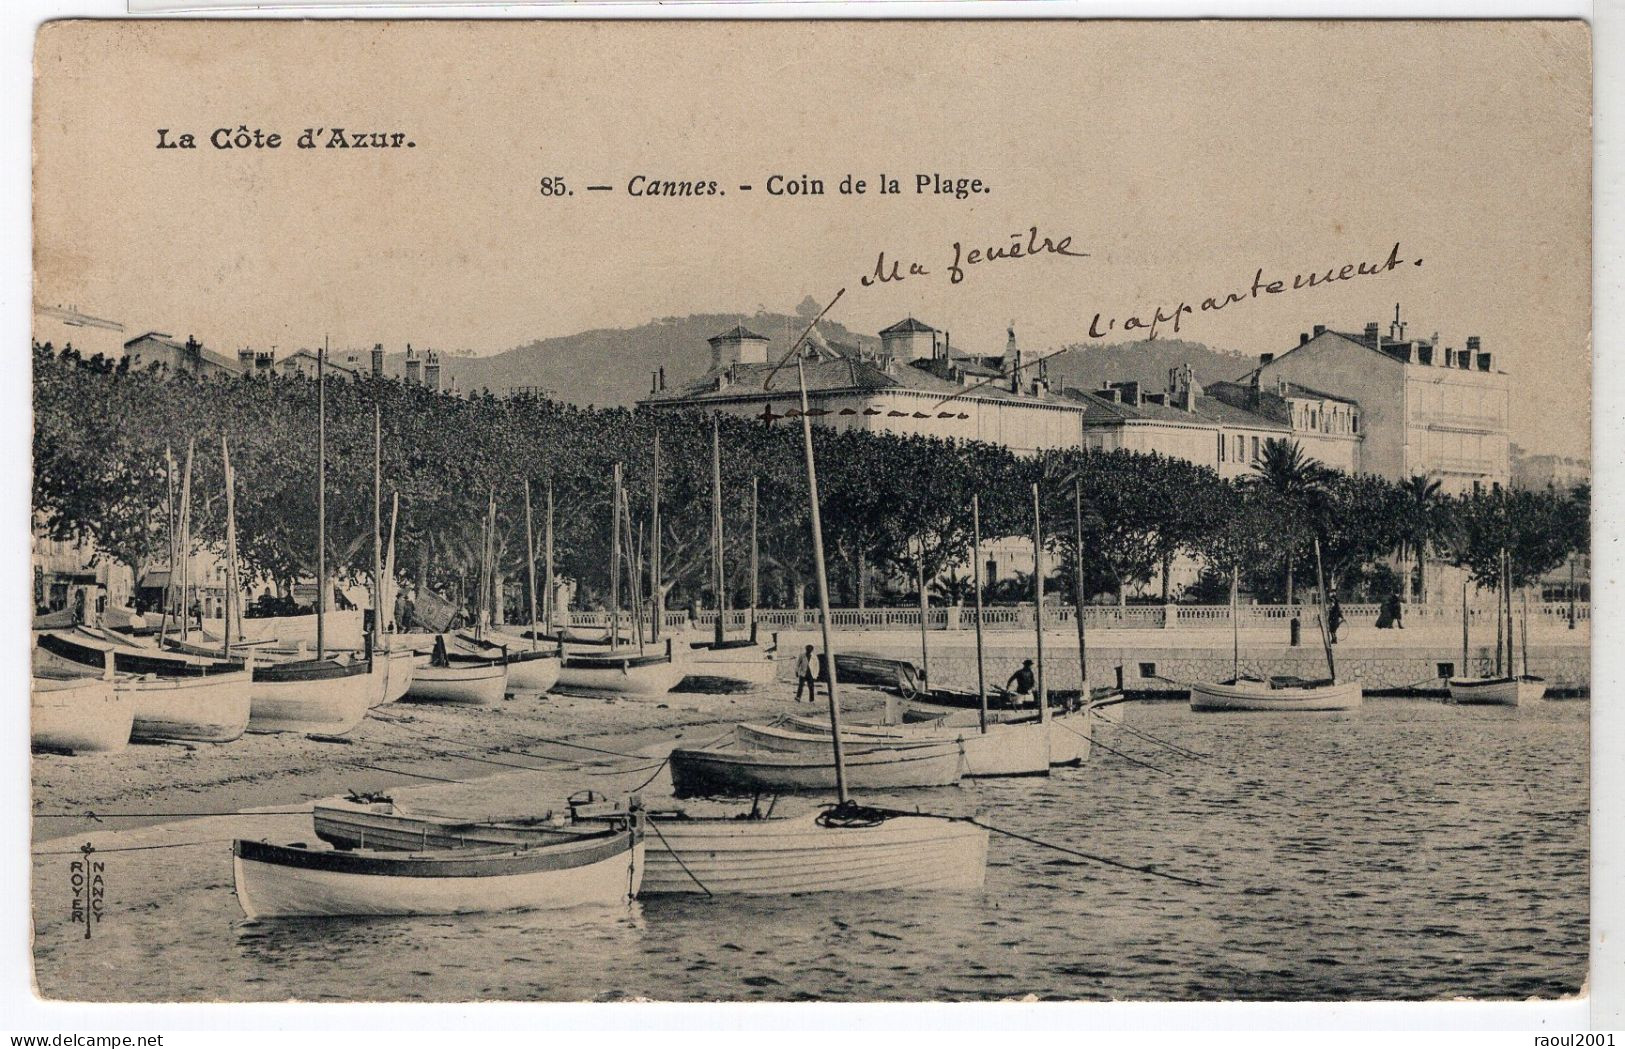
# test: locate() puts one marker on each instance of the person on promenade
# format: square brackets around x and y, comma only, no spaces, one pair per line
[806,676]
[1395,611]
[1334,619]
[1023,680]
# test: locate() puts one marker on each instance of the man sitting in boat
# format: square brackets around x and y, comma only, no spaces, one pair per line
[1023,680]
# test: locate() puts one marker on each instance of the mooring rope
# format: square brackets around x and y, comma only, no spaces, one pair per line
[92,814]
[132,848]
[674,855]
[1112,750]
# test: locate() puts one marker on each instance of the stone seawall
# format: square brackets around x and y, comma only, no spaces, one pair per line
[1166,670]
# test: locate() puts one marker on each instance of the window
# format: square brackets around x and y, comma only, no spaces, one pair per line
[1354,423]
[1255,449]
[1221,447]
[1241,447]
[990,573]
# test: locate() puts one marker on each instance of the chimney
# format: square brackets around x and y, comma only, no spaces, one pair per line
[194,350]
[1303,337]
[1265,358]
[1449,356]
[431,371]
[1371,332]
[1424,353]
[1320,329]
[265,363]
[378,360]
[654,382]
[245,361]
[412,365]
[1484,362]
[1129,392]
[662,374]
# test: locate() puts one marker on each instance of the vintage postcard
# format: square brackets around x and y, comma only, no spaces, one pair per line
[811,511]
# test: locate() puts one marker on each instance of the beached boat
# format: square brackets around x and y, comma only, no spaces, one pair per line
[815,852]
[1497,688]
[620,673]
[740,661]
[867,668]
[401,664]
[472,682]
[79,715]
[72,651]
[529,669]
[329,696]
[211,709]
[1071,732]
[740,770]
[1009,749]
[280,881]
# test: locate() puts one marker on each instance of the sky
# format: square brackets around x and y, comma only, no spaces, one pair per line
[1179,158]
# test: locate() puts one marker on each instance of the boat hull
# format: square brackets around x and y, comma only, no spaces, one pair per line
[283,882]
[80,715]
[460,684]
[212,709]
[1500,692]
[402,668]
[618,675]
[755,856]
[735,664]
[312,696]
[533,673]
[1259,696]
[697,773]
[1003,750]
[1071,732]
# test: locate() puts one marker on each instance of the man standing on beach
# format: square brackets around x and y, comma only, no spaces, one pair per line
[1024,680]
[806,676]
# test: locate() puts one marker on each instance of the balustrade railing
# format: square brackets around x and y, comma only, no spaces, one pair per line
[1542,615]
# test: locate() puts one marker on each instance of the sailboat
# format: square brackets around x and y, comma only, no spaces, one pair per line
[1498,689]
[467,678]
[1278,693]
[1068,730]
[844,848]
[531,668]
[724,660]
[615,672]
[326,694]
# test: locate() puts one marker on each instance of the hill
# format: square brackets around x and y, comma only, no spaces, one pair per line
[611,367]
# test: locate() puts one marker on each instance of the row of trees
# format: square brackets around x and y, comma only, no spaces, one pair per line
[101,433]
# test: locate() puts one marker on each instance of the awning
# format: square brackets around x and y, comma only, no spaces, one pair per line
[156,580]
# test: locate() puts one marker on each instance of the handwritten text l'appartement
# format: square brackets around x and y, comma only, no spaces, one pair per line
[1103,325]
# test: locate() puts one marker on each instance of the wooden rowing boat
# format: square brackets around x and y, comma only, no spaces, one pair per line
[1071,732]
[529,669]
[73,651]
[1005,749]
[1496,691]
[473,683]
[282,881]
[1276,694]
[79,715]
[721,771]
[739,661]
[210,709]
[402,668]
[329,696]
[625,673]
[808,853]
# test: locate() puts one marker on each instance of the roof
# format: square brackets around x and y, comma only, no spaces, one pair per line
[1294,389]
[907,325]
[1208,411]
[738,331]
[163,339]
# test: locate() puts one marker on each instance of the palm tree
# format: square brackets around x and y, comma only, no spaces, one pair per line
[1294,483]
[1420,523]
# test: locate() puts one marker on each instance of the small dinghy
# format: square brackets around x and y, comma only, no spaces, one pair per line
[73,651]
[469,681]
[1498,688]
[287,881]
[1276,694]
[328,696]
[862,668]
[723,771]
[79,715]
[1071,732]
[829,851]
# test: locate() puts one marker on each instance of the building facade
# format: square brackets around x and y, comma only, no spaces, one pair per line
[1420,409]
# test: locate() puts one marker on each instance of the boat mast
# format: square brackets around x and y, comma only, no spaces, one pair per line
[547,581]
[1465,671]
[1523,600]
[530,567]
[755,562]
[976,578]
[1325,636]
[186,540]
[823,589]
[925,610]
[1077,587]
[377,525]
[657,603]
[716,520]
[169,529]
[231,546]
[389,558]
[321,501]
[615,560]
[1500,636]
[1506,576]
[1038,607]
[1235,623]
[634,572]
